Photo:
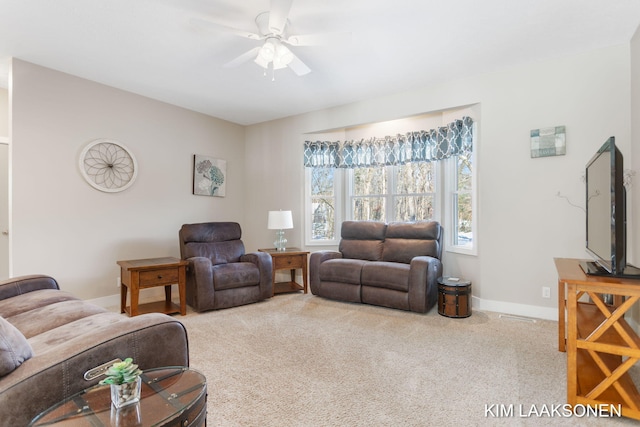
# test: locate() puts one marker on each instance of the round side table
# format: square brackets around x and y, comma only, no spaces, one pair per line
[454,297]
[174,396]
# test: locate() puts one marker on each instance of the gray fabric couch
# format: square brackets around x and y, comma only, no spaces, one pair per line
[393,265]
[220,274]
[49,339]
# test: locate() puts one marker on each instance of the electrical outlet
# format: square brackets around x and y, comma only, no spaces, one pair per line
[118,282]
[546,292]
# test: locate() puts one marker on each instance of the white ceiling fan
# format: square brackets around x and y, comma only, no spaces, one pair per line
[274,53]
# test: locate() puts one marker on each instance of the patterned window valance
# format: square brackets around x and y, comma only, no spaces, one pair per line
[422,146]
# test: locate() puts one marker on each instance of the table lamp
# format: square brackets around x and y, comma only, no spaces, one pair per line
[280,220]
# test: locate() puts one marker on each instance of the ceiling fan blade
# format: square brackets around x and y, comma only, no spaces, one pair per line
[278,15]
[319,39]
[219,27]
[298,67]
[247,56]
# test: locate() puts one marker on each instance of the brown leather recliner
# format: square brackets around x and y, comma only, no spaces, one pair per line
[220,274]
[394,265]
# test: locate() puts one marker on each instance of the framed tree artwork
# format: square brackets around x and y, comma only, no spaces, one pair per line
[209,176]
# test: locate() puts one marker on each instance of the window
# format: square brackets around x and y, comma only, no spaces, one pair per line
[425,175]
[460,201]
[368,193]
[415,192]
[393,193]
[323,205]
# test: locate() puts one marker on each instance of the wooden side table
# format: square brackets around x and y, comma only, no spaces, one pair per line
[148,273]
[289,259]
[601,346]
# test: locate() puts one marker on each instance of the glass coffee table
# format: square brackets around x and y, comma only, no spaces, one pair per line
[171,396]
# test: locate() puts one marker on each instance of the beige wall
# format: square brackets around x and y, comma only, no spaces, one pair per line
[63,227]
[522,224]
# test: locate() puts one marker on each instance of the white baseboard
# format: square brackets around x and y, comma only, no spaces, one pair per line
[547,313]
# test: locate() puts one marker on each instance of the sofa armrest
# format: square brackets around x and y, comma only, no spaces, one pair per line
[23,284]
[199,282]
[423,283]
[315,260]
[263,261]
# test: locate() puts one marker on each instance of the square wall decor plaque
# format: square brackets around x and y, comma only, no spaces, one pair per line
[549,141]
[209,176]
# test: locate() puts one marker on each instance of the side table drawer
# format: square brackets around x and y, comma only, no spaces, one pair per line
[289,261]
[165,276]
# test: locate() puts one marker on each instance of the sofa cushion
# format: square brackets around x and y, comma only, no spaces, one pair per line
[405,241]
[341,270]
[217,252]
[211,232]
[57,314]
[14,348]
[220,241]
[235,275]
[390,275]
[32,300]
[362,239]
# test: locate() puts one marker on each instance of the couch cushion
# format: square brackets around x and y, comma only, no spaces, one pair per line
[217,252]
[235,275]
[211,232]
[32,300]
[218,241]
[362,239]
[14,348]
[341,270]
[390,275]
[405,241]
[56,314]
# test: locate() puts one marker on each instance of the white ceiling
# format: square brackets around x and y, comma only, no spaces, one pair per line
[153,48]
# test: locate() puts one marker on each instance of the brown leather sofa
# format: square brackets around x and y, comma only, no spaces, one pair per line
[220,274]
[49,339]
[393,265]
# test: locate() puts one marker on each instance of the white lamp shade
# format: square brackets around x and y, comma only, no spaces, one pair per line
[280,220]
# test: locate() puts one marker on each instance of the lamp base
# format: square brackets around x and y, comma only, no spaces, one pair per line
[281,242]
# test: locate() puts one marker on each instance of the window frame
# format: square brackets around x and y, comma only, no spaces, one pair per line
[338,186]
[450,190]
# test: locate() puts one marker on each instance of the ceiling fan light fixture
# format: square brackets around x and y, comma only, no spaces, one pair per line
[283,55]
[268,51]
[261,61]
[275,53]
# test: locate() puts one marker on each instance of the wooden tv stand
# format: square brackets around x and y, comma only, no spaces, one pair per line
[601,346]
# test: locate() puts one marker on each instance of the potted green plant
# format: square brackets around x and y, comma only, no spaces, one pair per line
[124,379]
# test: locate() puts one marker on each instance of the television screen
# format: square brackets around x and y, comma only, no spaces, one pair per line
[600,223]
[606,214]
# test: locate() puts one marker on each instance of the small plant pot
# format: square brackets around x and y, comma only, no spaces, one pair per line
[126,394]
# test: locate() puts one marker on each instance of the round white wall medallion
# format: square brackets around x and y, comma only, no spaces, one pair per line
[108,165]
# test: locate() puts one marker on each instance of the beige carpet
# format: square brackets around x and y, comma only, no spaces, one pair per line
[301,360]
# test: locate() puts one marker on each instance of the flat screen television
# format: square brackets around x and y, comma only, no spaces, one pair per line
[606,214]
